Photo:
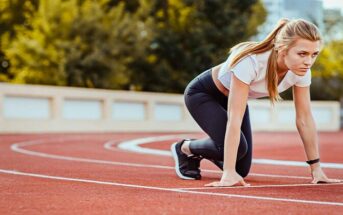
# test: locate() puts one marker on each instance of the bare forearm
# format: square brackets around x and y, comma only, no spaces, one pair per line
[232,138]
[308,133]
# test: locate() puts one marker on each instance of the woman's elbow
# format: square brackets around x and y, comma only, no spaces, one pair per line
[303,122]
[300,123]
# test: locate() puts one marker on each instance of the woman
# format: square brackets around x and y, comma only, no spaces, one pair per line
[217,100]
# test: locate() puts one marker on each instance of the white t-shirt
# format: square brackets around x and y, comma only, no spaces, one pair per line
[252,71]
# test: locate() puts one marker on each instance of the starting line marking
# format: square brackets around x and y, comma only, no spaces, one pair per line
[169,189]
[261,186]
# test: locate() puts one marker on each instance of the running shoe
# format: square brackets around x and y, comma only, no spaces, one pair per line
[186,167]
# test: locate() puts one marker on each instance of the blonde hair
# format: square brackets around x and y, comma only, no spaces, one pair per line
[283,36]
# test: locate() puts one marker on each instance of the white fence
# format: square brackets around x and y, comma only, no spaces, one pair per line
[32,108]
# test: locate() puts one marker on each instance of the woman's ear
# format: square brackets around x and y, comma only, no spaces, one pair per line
[282,52]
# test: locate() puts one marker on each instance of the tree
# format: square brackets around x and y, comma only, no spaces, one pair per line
[105,44]
[78,43]
[12,13]
[156,45]
[34,52]
[192,36]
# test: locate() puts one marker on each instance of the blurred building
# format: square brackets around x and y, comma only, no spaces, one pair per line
[333,24]
[311,10]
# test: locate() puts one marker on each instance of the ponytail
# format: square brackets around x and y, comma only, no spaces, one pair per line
[260,47]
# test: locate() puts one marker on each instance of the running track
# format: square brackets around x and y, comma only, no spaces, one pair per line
[130,173]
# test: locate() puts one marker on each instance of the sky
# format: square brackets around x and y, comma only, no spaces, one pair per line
[333,4]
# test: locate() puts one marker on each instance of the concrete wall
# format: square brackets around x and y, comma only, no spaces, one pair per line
[32,108]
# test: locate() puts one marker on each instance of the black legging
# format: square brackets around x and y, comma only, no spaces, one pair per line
[208,106]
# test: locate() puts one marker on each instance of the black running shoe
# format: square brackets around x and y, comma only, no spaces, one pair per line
[186,167]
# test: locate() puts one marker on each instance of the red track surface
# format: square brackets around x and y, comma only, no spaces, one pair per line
[109,181]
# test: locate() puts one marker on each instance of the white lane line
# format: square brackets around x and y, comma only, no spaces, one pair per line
[134,146]
[261,186]
[4,171]
[17,148]
[279,176]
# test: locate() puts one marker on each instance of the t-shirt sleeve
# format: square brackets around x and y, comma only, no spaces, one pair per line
[245,70]
[305,81]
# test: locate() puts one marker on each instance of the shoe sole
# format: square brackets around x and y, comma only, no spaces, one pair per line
[176,159]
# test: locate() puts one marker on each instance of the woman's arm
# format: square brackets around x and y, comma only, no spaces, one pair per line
[305,122]
[238,97]
[308,132]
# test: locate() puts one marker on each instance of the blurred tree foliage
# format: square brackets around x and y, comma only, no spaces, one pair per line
[328,73]
[156,45]
[192,36]
[12,13]
[78,43]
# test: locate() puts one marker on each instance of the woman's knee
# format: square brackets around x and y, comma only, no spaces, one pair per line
[206,148]
[216,149]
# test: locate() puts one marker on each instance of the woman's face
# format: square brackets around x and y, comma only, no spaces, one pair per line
[301,56]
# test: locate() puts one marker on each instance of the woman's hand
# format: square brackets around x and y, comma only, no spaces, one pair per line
[228,179]
[319,176]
